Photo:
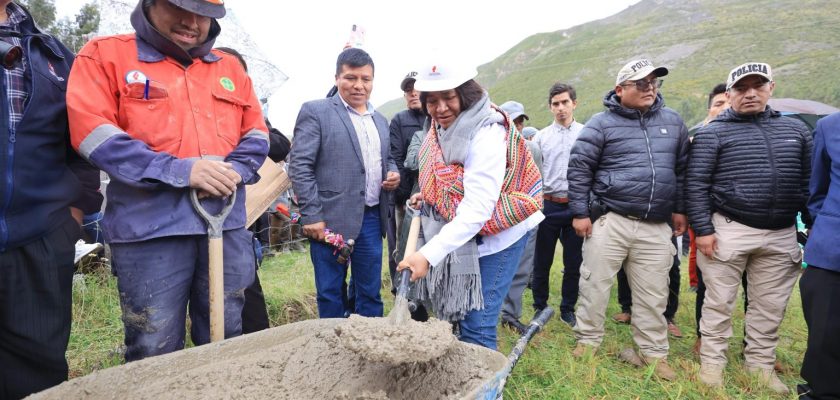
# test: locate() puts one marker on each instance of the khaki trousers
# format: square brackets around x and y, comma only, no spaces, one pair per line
[647,253]
[771,259]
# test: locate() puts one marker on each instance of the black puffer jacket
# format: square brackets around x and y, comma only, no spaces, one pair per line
[752,168]
[633,163]
[402,128]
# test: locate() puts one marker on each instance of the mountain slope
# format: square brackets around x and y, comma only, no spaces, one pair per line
[699,41]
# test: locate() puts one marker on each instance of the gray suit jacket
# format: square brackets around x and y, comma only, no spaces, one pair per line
[327,169]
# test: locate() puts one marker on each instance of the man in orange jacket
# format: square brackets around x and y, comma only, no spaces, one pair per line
[162,114]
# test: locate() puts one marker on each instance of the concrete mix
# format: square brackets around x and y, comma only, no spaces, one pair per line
[305,360]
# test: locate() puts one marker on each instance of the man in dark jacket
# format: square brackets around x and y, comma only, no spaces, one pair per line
[820,284]
[747,179]
[46,189]
[402,128]
[626,174]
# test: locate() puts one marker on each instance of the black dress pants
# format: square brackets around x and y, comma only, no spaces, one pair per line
[36,282]
[820,291]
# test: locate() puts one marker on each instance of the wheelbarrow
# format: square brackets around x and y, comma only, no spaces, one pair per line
[221,370]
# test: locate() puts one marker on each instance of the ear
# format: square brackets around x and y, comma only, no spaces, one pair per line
[619,90]
[772,86]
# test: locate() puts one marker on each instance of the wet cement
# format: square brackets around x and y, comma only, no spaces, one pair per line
[384,340]
[306,360]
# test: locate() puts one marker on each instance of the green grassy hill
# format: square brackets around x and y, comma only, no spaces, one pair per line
[700,41]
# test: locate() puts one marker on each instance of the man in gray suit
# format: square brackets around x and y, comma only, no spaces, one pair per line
[342,171]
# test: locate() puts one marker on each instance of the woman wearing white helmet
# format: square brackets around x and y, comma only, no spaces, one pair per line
[481,193]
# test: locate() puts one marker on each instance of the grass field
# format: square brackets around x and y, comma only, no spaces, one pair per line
[546,370]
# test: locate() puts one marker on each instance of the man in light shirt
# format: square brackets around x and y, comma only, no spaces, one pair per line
[555,142]
[341,171]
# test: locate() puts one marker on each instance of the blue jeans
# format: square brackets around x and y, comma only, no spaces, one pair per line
[557,225]
[365,265]
[479,326]
[157,280]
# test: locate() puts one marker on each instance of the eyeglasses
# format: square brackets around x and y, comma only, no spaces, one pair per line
[644,85]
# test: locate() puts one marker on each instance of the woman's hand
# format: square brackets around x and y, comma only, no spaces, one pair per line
[418,265]
[415,200]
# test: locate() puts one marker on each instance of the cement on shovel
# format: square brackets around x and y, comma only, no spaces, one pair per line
[383,340]
[304,360]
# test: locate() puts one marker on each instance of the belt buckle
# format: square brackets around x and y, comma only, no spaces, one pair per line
[632,217]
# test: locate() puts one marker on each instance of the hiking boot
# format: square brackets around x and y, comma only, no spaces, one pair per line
[696,348]
[514,324]
[769,378]
[629,355]
[711,375]
[569,318]
[661,368]
[622,317]
[674,330]
[583,349]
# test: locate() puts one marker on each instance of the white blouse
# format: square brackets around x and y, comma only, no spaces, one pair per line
[484,172]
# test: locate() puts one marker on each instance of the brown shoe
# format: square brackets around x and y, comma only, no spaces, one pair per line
[674,330]
[769,378]
[779,367]
[711,375]
[696,348]
[661,368]
[622,318]
[583,349]
[630,356]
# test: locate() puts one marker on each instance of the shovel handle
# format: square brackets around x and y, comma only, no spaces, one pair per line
[410,248]
[217,290]
[215,263]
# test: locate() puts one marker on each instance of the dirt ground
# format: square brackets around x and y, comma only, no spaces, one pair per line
[306,360]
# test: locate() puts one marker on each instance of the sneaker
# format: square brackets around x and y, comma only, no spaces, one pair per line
[711,375]
[569,318]
[83,249]
[622,318]
[674,330]
[583,349]
[661,368]
[514,324]
[769,378]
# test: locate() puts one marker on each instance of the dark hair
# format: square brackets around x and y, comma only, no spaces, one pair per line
[236,54]
[353,58]
[469,93]
[559,88]
[718,89]
[148,3]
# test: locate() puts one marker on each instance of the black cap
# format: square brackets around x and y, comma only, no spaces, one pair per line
[409,79]
[206,8]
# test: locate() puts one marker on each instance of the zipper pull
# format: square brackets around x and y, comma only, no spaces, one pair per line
[12,136]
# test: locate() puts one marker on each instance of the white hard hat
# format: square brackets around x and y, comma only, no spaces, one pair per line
[442,76]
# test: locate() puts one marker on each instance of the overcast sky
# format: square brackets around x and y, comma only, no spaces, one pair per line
[303,38]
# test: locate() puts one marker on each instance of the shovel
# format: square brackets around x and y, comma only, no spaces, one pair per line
[216,263]
[401,311]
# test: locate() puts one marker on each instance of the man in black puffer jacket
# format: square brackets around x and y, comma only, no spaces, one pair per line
[747,179]
[626,173]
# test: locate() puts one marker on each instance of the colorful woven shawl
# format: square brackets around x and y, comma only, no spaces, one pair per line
[442,185]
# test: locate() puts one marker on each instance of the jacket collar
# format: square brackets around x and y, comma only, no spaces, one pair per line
[729,115]
[152,46]
[612,102]
[28,27]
